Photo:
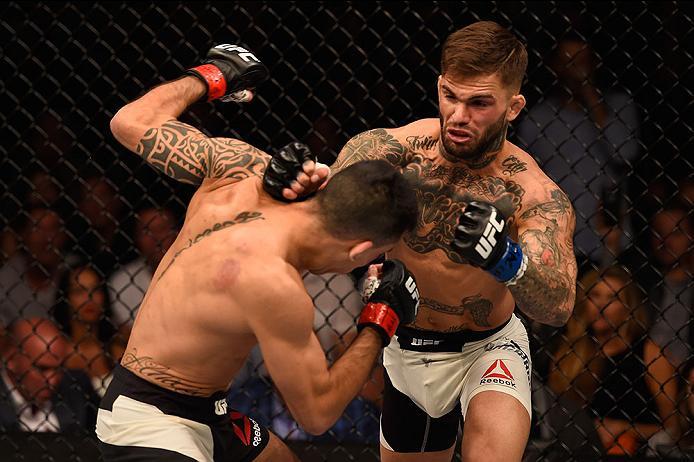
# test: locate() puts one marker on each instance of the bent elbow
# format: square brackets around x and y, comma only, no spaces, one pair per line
[127,126]
[315,425]
[117,125]
[561,317]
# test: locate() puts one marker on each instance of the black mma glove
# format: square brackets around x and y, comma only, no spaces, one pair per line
[359,273]
[228,71]
[394,302]
[284,167]
[481,237]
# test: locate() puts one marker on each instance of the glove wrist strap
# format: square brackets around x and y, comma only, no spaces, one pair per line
[512,264]
[213,78]
[382,317]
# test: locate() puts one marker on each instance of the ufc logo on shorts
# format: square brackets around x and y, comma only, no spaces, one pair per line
[488,240]
[411,287]
[243,53]
[220,407]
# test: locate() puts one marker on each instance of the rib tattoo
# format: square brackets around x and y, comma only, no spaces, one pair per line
[478,307]
[145,366]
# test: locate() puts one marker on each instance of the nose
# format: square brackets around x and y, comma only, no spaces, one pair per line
[460,115]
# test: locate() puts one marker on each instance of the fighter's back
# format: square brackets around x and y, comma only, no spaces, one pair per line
[192,327]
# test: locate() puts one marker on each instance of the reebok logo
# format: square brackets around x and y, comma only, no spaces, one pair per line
[498,374]
[247,427]
[510,345]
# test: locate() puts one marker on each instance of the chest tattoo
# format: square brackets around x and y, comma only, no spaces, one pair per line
[443,192]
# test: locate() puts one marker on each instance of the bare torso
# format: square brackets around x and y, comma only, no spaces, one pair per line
[457,296]
[192,334]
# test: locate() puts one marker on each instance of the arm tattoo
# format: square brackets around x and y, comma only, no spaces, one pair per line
[369,145]
[243,217]
[478,307]
[187,155]
[546,291]
[145,366]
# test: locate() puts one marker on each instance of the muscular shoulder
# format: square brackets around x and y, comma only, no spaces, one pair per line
[520,167]
[392,144]
[272,287]
[541,193]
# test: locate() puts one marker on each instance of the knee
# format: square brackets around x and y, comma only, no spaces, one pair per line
[482,448]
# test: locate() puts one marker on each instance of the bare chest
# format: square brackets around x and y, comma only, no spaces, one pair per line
[443,192]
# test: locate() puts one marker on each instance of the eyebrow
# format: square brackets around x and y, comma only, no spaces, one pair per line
[469,98]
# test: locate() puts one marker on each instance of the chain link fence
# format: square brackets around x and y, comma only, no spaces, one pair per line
[609,117]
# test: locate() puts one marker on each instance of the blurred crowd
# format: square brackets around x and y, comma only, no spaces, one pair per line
[74,266]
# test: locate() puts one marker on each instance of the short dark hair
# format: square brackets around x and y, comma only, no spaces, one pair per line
[369,200]
[485,48]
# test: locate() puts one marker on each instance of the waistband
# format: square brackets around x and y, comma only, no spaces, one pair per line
[441,342]
[208,409]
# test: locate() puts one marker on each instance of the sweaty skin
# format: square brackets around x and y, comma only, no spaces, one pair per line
[456,296]
[472,160]
[232,278]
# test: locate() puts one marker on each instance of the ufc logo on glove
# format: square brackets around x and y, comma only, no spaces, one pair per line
[411,287]
[242,52]
[488,239]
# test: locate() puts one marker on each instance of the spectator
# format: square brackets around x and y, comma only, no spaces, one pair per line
[155,231]
[36,393]
[28,280]
[671,301]
[584,139]
[604,371]
[36,188]
[82,312]
[95,225]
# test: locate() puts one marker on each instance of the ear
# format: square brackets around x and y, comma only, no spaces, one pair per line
[358,249]
[516,106]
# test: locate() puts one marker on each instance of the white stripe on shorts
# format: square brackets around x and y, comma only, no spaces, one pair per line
[133,423]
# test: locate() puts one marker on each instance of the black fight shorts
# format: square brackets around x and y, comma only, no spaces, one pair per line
[140,421]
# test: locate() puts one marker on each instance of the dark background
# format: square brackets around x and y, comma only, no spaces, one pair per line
[336,69]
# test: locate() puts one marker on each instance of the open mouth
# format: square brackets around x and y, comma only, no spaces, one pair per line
[459,136]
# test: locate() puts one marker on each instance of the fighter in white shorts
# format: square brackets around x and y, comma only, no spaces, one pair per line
[431,378]
[494,233]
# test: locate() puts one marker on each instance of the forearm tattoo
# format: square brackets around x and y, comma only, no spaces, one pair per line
[187,155]
[243,217]
[145,366]
[546,292]
[478,307]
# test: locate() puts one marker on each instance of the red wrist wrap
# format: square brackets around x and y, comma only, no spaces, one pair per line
[382,315]
[216,83]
